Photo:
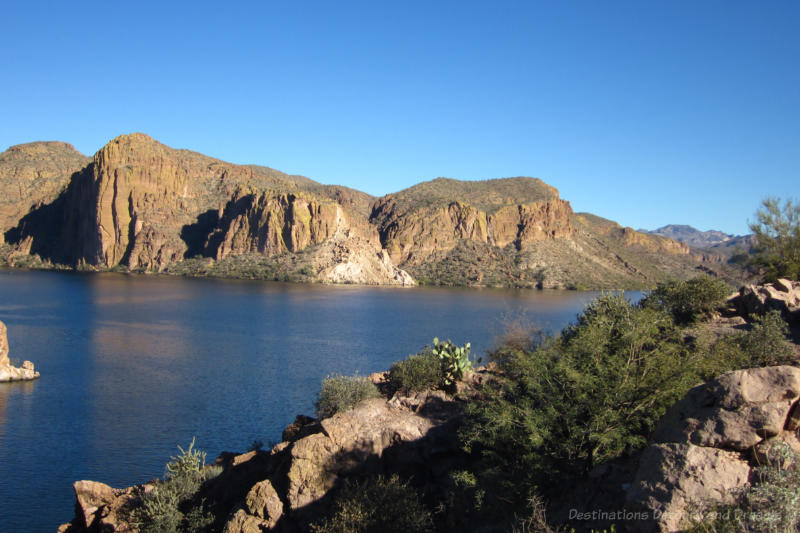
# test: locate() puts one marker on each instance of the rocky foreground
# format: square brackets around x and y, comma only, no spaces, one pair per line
[9,372]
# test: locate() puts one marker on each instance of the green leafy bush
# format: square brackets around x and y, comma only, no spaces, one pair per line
[690,299]
[340,393]
[590,395]
[418,372]
[777,234]
[382,504]
[454,359]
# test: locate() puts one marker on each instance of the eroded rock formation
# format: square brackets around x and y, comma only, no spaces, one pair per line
[9,372]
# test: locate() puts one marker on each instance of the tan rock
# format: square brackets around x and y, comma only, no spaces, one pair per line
[3,345]
[241,522]
[7,371]
[91,496]
[263,502]
[701,448]
[736,410]
[348,440]
[672,476]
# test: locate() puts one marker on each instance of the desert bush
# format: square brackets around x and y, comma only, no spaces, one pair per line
[587,396]
[771,503]
[765,344]
[418,372]
[171,505]
[339,393]
[688,300]
[388,505]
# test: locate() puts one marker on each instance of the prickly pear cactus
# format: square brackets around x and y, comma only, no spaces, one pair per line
[455,360]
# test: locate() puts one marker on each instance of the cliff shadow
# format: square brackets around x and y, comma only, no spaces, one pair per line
[60,231]
[197,235]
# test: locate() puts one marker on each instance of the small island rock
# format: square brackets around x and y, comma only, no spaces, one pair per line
[8,372]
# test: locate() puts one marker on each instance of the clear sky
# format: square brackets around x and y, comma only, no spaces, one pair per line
[645,112]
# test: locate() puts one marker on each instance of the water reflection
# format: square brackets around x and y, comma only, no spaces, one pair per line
[133,366]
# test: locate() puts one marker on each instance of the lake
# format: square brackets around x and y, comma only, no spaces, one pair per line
[133,366]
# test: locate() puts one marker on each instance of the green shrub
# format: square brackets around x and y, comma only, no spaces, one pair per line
[454,359]
[170,506]
[777,235]
[688,300]
[771,503]
[380,504]
[766,344]
[418,372]
[588,396]
[340,393]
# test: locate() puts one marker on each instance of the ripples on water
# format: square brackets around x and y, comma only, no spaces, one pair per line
[133,365]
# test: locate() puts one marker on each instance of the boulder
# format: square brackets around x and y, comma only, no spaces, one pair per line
[704,447]
[672,476]
[782,295]
[98,507]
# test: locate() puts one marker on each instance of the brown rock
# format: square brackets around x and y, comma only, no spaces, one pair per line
[263,502]
[98,506]
[671,476]
[241,522]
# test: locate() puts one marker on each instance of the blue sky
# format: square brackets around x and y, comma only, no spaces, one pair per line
[647,113]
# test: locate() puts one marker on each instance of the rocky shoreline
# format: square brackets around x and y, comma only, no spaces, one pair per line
[706,449]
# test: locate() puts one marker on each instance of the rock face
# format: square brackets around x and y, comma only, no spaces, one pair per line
[782,295]
[32,175]
[704,446]
[141,205]
[289,487]
[413,230]
[8,372]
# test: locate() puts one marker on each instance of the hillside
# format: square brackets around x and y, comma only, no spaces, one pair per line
[34,174]
[142,206]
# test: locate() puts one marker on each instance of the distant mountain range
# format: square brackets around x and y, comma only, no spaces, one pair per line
[138,205]
[722,245]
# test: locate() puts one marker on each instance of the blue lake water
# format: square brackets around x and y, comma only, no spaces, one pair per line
[133,366]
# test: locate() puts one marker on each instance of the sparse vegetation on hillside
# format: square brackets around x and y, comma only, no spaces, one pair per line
[377,505]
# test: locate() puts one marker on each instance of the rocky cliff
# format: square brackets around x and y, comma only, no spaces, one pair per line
[32,175]
[141,205]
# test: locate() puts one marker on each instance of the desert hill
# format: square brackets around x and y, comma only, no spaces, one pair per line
[140,205]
